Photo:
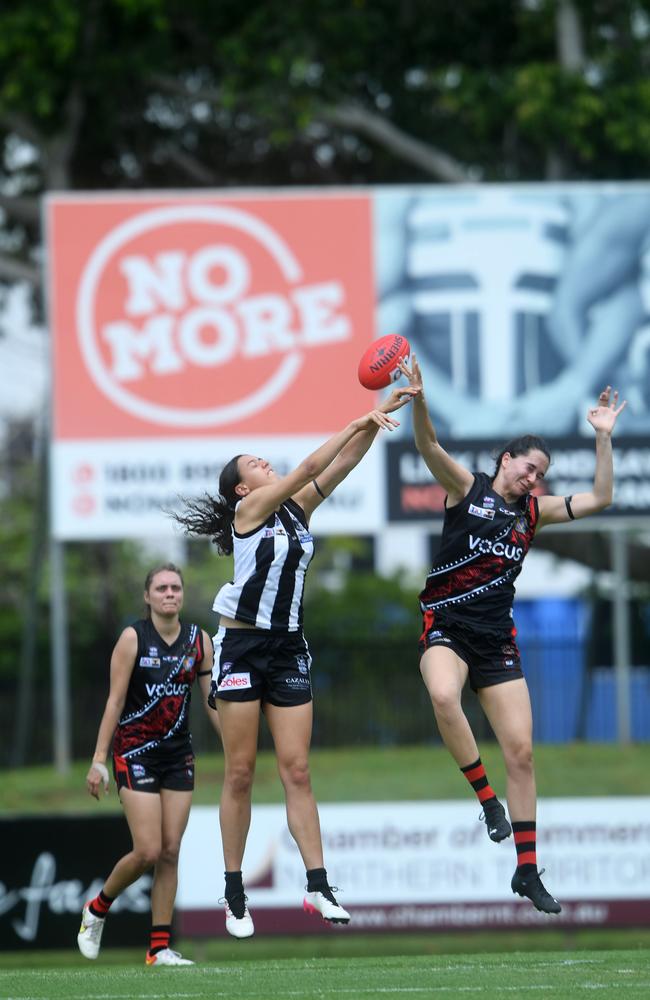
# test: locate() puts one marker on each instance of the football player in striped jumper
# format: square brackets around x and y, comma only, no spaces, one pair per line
[261,657]
[154,664]
[467,604]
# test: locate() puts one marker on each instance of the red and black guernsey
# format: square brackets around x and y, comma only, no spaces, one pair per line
[156,712]
[483,546]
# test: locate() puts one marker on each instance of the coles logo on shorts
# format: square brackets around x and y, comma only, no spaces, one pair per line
[232,682]
[195,314]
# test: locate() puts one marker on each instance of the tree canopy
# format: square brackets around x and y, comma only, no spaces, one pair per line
[98,94]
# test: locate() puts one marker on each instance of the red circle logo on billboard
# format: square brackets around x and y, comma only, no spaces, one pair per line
[207,316]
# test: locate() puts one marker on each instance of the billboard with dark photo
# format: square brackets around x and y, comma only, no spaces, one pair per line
[414,495]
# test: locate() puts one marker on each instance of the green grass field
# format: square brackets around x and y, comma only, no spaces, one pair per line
[554,975]
[545,963]
[363,774]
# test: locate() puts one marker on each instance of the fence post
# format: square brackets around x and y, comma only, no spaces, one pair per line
[60,673]
[621,601]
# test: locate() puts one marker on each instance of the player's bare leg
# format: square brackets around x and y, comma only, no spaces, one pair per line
[507,707]
[445,674]
[239,734]
[291,730]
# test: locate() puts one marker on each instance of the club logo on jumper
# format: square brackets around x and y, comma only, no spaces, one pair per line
[226,667]
[302,663]
[481,511]
[485,546]
[176,299]
[233,682]
[521,525]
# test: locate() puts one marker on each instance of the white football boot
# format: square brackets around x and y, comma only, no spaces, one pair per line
[90,933]
[166,957]
[239,927]
[329,909]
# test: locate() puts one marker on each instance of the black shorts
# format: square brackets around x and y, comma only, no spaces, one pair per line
[252,665]
[151,772]
[492,657]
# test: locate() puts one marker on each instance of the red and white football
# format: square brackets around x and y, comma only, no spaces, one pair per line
[379,365]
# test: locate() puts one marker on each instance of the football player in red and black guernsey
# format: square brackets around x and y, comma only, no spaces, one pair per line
[154,664]
[469,632]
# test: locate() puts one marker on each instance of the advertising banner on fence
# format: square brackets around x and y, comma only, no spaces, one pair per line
[427,865]
[50,873]
[186,326]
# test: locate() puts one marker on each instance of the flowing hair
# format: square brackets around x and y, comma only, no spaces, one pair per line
[521,446]
[213,516]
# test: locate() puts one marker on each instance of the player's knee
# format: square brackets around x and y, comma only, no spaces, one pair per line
[445,701]
[239,777]
[296,774]
[147,855]
[169,853]
[520,756]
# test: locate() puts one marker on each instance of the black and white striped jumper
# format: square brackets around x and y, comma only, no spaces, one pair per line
[269,572]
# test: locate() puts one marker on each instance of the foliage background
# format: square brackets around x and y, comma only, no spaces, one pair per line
[135,94]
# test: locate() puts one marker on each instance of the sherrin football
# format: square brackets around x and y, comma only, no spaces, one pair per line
[379,365]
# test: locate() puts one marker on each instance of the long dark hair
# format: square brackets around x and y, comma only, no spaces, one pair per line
[213,516]
[521,446]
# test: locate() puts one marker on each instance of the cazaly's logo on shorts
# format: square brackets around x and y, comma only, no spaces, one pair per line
[178,295]
[232,682]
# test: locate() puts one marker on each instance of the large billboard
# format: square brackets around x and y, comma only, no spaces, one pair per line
[190,327]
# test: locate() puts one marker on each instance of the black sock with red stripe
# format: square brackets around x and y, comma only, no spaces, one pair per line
[475,774]
[100,905]
[159,939]
[525,835]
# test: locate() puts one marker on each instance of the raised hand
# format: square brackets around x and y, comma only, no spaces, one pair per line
[400,396]
[603,416]
[413,373]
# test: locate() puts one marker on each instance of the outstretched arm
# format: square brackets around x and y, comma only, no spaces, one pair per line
[553,509]
[256,506]
[349,457]
[452,476]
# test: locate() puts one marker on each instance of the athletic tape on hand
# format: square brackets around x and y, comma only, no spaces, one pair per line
[103,770]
